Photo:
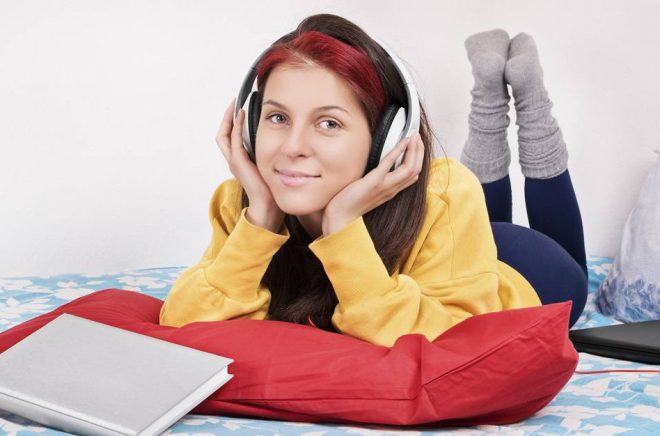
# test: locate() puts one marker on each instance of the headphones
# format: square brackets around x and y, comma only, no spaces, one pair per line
[395,124]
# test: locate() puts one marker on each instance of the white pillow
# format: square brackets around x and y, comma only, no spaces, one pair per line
[631,291]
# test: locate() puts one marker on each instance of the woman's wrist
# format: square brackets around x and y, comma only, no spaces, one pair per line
[271,221]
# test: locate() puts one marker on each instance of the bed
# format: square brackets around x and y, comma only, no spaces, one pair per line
[591,403]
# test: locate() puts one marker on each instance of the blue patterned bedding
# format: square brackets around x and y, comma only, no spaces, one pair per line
[608,403]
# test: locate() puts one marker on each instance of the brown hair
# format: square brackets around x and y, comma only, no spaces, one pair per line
[295,277]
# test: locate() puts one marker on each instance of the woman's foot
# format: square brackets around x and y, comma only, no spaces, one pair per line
[542,151]
[486,151]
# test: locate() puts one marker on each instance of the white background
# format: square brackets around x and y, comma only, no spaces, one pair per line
[109,109]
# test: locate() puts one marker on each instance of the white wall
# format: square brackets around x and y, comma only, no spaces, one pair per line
[108,112]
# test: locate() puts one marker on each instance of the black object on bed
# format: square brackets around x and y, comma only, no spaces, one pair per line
[637,342]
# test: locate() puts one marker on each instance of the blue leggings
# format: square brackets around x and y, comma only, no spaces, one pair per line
[550,254]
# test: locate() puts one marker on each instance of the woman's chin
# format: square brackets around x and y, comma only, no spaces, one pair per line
[297,207]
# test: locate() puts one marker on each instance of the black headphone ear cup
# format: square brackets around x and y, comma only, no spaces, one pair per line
[253,115]
[379,136]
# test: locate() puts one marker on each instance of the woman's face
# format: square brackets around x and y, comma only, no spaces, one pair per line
[300,131]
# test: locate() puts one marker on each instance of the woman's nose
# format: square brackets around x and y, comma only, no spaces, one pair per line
[295,143]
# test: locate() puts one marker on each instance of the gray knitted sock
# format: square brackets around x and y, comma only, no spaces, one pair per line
[486,151]
[542,151]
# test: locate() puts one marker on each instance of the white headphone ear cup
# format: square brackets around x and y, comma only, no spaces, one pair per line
[392,139]
[247,144]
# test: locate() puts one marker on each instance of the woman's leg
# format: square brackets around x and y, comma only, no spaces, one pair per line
[555,275]
[552,206]
[486,151]
[553,209]
[498,200]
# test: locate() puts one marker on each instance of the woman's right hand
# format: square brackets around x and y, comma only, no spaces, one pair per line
[262,211]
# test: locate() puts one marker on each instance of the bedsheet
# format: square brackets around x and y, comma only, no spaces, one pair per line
[606,403]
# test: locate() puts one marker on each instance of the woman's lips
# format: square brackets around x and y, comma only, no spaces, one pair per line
[293,181]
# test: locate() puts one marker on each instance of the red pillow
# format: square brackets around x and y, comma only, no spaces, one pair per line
[496,368]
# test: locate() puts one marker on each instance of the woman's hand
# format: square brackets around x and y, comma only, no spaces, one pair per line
[377,187]
[263,211]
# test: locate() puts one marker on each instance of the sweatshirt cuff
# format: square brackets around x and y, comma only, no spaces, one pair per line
[246,253]
[246,225]
[352,263]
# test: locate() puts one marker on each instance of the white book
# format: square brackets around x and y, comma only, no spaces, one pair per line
[85,377]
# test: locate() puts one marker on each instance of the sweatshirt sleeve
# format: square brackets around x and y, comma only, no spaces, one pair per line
[453,276]
[226,282]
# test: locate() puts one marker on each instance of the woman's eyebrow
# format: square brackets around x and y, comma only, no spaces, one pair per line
[321,108]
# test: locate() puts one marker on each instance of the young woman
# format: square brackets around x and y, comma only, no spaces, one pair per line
[308,233]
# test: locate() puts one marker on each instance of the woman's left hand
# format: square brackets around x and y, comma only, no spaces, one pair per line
[377,187]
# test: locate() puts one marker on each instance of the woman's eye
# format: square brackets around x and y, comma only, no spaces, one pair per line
[333,124]
[275,115]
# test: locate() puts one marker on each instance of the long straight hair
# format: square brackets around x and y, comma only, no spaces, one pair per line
[300,288]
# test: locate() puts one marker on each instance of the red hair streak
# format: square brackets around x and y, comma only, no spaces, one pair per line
[315,48]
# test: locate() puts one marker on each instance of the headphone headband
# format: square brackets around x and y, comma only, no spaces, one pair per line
[248,83]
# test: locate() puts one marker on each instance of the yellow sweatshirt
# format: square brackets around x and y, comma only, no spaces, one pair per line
[451,274]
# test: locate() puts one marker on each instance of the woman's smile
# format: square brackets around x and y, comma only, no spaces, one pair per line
[295,181]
